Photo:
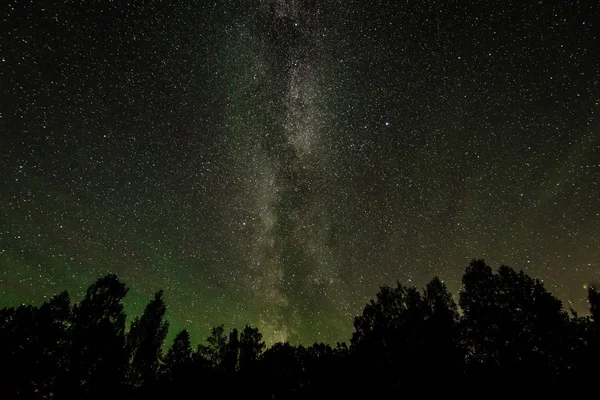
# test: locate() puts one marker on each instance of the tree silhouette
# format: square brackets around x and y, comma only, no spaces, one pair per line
[251,347]
[384,339]
[585,335]
[319,367]
[218,362]
[441,348]
[53,322]
[403,334]
[33,346]
[179,355]
[215,349]
[514,329]
[178,375]
[509,339]
[594,300]
[145,341]
[20,343]
[282,365]
[231,353]
[592,342]
[96,356]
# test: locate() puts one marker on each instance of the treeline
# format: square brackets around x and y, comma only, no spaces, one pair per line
[507,338]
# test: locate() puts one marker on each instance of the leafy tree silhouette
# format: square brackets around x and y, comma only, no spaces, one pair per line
[512,339]
[20,340]
[215,349]
[585,351]
[179,355]
[249,375]
[53,322]
[282,366]
[251,347]
[441,350]
[217,361]
[96,358]
[514,330]
[592,344]
[178,377]
[145,340]
[403,335]
[33,345]
[319,367]
[231,352]
[594,300]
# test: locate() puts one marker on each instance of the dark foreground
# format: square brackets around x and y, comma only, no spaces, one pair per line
[511,339]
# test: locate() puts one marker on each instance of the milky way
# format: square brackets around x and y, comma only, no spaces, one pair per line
[289,262]
[274,163]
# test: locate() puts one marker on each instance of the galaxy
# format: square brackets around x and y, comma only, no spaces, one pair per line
[274,163]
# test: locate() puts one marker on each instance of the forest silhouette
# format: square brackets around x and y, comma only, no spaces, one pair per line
[508,337]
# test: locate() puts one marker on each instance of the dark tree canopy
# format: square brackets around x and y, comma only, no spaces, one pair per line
[251,347]
[510,338]
[594,300]
[214,352]
[179,355]
[145,340]
[97,360]
[513,327]
[404,332]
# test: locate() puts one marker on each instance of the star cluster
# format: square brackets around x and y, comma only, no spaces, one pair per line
[275,162]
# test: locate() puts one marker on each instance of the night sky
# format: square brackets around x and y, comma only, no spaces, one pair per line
[275,163]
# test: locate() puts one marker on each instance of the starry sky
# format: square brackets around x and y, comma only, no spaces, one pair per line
[274,163]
